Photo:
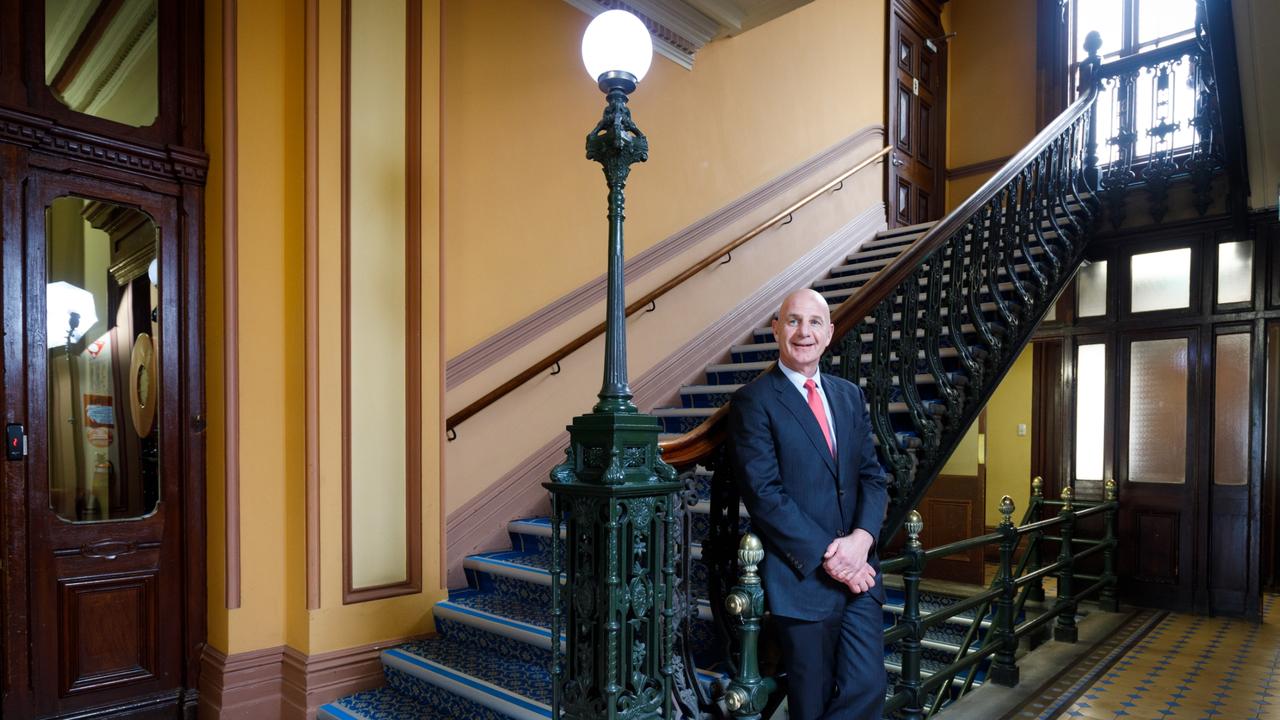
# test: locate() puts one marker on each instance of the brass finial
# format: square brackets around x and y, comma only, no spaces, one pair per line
[1110,486]
[750,553]
[1067,494]
[915,524]
[1006,509]
[1037,486]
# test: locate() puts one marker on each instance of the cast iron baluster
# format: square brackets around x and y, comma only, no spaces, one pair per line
[1040,269]
[1056,195]
[976,268]
[1069,193]
[1004,668]
[748,693]
[1016,241]
[908,351]
[1043,211]
[1107,597]
[993,249]
[947,390]
[880,384]
[958,290]
[910,646]
[1065,630]
[719,550]
[689,693]
[557,603]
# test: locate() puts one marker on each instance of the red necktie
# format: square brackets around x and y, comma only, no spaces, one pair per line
[815,404]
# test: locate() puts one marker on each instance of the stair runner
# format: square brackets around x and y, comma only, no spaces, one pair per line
[491,654]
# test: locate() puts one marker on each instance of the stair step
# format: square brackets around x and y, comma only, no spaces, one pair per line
[384,703]
[512,688]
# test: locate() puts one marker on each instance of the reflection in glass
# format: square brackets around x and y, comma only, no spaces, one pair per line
[1231,410]
[1091,388]
[1091,289]
[101,58]
[1158,411]
[102,369]
[1235,272]
[1161,280]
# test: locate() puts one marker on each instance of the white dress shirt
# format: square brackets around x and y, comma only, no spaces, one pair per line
[798,379]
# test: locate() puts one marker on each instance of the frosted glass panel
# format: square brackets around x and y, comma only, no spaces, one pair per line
[1161,280]
[1235,272]
[1231,410]
[1091,289]
[1053,312]
[1158,411]
[1091,387]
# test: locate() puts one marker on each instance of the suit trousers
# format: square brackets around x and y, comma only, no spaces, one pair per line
[835,666]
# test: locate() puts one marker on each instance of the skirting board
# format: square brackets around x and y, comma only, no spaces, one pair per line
[475,360]
[481,523]
[282,682]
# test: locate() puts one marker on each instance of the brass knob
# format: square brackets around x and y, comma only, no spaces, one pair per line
[736,698]
[737,603]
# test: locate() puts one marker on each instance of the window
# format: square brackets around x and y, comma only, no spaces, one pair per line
[1149,111]
[1091,412]
[1160,280]
[1129,27]
[1091,286]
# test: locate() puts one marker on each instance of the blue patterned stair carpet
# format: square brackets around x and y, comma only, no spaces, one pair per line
[490,657]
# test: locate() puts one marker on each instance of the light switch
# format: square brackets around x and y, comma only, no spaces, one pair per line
[1022,429]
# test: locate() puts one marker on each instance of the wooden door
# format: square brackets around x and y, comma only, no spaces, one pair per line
[917,112]
[100,320]
[1156,466]
[954,509]
[1270,560]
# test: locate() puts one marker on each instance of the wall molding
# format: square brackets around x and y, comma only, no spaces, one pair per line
[481,523]
[978,168]
[489,351]
[285,682]
[311,253]
[231,303]
[413,314]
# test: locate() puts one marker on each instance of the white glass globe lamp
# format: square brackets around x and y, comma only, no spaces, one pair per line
[71,313]
[617,50]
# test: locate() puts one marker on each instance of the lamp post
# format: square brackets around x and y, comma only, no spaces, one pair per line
[614,496]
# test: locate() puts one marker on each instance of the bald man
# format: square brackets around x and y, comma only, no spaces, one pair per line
[809,475]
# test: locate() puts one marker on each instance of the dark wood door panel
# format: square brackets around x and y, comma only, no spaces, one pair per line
[916,99]
[953,510]
[107,631]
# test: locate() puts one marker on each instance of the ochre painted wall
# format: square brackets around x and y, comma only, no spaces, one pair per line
[271,42]
[1008,454]
[524,211]
[991,106]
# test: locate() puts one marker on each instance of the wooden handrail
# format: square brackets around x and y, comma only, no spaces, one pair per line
[700,442]
[568,348]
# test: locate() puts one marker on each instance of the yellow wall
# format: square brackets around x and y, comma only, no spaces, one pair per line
[523,209]
[992,64]
[1008,454]
[272,170]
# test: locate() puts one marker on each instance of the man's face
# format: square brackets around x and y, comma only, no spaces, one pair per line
[803,331]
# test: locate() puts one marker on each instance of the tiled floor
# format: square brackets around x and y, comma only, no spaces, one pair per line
[1191,666]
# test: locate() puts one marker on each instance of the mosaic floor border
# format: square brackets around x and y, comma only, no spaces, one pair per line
[1055,696]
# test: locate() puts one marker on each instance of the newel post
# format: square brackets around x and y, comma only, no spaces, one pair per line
[1091,76]
[1004,668]
[1107,599]
[910,678]
[1065,630]
[748,693]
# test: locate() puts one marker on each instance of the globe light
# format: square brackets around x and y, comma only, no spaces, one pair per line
[617,42]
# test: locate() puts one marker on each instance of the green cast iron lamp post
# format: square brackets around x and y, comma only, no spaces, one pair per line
[613,495]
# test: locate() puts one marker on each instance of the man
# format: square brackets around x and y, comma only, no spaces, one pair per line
[809,475]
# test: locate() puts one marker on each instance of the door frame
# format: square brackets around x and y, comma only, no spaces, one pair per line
[24,169]
[925,13]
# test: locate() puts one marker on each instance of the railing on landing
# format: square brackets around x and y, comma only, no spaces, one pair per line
[647,301]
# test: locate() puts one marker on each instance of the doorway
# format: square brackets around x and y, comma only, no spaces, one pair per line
[916,101]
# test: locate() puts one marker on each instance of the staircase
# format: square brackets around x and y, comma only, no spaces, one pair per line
[491,655]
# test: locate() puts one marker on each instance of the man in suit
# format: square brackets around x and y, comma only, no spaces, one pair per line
[805,462]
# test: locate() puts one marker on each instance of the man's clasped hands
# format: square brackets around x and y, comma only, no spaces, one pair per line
[846,560]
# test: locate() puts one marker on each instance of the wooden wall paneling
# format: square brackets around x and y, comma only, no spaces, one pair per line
[1270,495]
[195,420]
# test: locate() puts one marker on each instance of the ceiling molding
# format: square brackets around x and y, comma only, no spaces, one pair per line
[680,28]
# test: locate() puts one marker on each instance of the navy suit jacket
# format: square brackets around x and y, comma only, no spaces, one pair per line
[800,498]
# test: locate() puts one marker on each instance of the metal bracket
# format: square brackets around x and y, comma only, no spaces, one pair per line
[557,370]
[451,435]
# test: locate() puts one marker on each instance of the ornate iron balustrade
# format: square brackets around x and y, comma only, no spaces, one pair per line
[1161,123]
[916,696]
[957,306]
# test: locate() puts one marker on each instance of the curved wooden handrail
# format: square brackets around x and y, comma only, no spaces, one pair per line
[698,444]
[568,348]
